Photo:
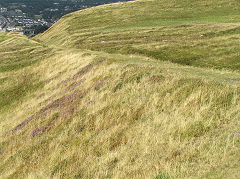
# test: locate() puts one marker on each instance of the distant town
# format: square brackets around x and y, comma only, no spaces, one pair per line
[31,18]
[16,20]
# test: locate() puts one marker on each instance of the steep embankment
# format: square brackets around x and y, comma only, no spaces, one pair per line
[77,113]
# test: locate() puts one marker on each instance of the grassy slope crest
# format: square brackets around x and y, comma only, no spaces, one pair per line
[144,89]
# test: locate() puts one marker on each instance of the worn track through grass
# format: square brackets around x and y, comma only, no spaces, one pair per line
[113,105]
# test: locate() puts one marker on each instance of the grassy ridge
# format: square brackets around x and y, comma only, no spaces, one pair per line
[197,33]
[113,105]
[101,115]
[17,53]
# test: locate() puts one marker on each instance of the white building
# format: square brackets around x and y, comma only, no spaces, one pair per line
[3,9]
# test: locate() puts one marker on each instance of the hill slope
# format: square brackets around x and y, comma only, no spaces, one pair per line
[97,96]
[197,33]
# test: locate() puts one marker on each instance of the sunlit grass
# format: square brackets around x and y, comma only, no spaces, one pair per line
[195,33]
[145,99]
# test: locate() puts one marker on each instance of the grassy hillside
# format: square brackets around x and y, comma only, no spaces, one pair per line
[198,33]
[145,89]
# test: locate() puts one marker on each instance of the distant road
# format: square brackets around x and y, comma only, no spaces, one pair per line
[3,21]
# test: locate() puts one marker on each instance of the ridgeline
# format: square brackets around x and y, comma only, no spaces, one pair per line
[143,89]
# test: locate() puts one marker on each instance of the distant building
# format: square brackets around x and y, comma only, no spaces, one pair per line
[14,29]
[3,29]
[54,10]
[18,11]
[3,9]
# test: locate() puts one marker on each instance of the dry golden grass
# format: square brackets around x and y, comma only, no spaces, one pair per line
[93,114]
[144,119]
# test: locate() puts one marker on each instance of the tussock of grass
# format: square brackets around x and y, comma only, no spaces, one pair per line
[119,108]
